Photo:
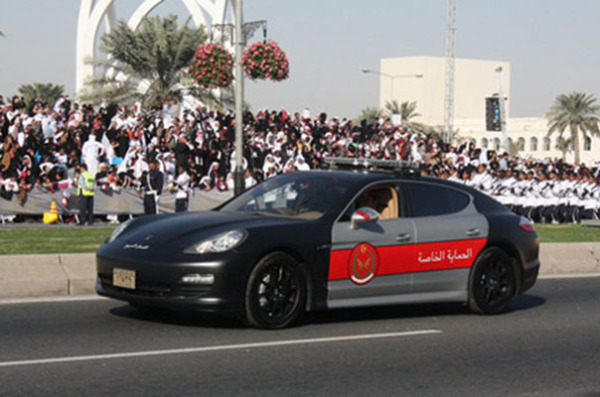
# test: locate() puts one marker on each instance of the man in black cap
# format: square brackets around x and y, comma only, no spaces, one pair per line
[152,184]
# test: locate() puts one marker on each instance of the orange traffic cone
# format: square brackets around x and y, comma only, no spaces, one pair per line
[52,216]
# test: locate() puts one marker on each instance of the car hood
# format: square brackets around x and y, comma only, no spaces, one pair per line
[188,228]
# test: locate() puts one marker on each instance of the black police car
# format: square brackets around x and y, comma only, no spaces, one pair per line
[326,239]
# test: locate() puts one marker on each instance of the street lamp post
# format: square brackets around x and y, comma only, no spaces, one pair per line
[239,33]
[392,78]
[238,172]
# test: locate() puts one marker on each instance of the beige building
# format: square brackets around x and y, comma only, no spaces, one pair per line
[474,81]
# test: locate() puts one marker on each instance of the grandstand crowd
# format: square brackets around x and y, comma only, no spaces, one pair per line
[42,146]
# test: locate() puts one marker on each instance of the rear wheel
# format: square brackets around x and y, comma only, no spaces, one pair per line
[275,293]
[493,282]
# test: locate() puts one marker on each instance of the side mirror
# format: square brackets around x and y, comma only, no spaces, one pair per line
[363,215]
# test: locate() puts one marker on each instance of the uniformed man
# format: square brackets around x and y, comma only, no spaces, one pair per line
[182,187]
[86,183]
[152,184]
[481,179]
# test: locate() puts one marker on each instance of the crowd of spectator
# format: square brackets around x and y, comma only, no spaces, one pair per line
[43,144]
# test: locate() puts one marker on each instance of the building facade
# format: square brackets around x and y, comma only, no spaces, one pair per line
[474,81]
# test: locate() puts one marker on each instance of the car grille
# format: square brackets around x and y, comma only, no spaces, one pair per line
[145,288]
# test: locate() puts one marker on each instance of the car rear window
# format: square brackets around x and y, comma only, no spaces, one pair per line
[429,199]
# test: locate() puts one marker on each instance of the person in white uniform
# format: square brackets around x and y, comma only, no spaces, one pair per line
[182,187]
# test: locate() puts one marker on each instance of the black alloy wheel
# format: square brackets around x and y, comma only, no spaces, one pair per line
[275,293]
[493,282]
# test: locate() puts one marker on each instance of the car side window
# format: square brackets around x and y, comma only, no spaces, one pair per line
[428,199]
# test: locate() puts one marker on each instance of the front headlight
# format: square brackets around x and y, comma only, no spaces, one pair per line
[220,243]
[118,231]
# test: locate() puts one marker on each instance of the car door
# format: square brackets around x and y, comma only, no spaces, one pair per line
[450,233]
[370,264]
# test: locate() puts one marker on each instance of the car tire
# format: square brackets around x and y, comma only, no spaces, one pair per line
[275,292]
[492,283]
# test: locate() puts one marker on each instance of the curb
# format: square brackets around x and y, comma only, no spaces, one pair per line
[31,276]
[56,275]
[569,258]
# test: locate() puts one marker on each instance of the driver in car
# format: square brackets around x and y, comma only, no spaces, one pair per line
[377,199]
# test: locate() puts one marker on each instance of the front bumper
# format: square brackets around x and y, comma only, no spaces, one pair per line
[187,303]
[159,284]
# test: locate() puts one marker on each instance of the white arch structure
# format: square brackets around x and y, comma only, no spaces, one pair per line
[92,13]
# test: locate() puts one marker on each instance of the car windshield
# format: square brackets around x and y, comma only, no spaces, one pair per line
[292,196]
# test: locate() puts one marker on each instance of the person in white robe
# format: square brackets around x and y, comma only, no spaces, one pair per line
[91,151]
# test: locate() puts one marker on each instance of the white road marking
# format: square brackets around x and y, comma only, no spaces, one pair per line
[192,350]
[51,299]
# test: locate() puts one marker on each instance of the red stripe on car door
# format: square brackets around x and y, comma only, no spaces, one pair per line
[424,257]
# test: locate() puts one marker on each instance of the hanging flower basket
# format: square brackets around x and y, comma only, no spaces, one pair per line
[266,61]
[212,66]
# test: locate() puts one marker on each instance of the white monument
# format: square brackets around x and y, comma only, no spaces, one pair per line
[92,13]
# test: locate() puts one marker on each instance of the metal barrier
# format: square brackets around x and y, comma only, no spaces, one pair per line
[126,201]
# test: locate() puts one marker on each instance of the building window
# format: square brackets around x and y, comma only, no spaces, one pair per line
[547,143]
[533,144]
[521,144]
[587,144]
[484,143]
[510,144]
[497,144]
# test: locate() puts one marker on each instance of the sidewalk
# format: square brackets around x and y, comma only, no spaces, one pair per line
[32,276]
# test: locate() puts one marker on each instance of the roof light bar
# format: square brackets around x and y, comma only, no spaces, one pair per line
[394,165]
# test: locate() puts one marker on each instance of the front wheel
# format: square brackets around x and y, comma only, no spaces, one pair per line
[492,283]
[275,293]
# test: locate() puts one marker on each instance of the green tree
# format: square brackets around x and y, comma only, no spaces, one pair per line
[576,112]
[149,64]
[393,107]
[369,114]
[408,111]
[47,92]
[564,145]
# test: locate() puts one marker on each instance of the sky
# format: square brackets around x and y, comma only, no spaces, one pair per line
[552,46]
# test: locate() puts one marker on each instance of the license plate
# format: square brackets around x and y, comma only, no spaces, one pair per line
[124,278]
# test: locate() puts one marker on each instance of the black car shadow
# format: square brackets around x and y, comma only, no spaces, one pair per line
[409,311]
[526,302]
[181,318]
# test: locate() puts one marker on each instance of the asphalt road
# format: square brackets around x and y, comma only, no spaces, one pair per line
[548,344]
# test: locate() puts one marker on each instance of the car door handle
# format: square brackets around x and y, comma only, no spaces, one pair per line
[403,237]
[473,232]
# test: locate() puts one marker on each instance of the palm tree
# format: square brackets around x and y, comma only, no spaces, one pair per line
[393,107]
[369,115]
[149,64]
[47,92]
[564,145]
[407,111]
[577,112]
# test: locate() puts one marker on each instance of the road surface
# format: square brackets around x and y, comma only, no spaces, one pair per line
[548,344]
